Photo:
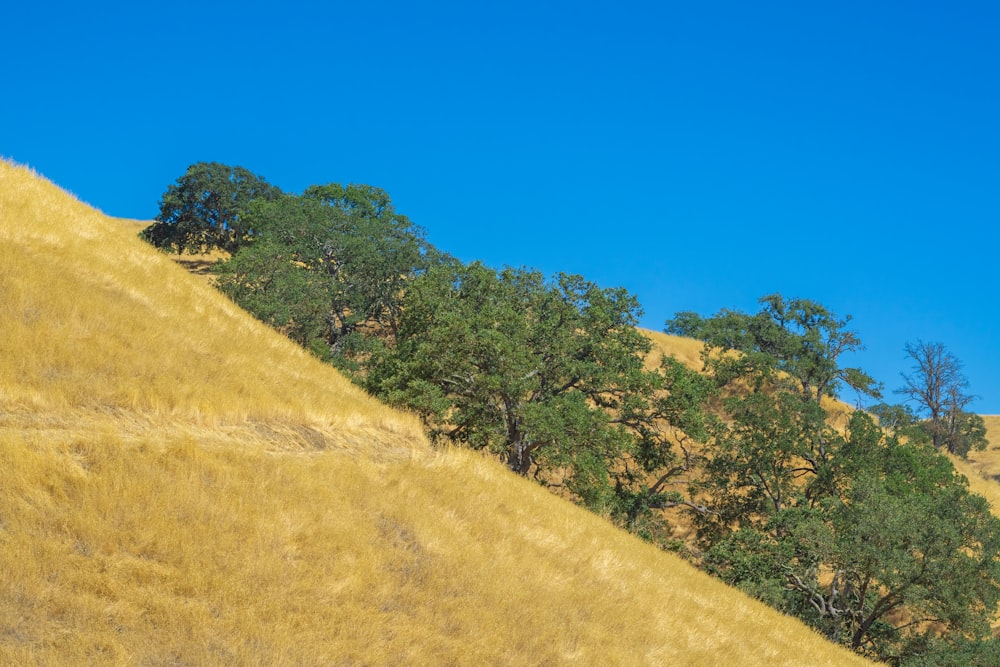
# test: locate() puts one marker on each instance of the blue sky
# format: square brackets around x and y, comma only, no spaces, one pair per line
[699,154]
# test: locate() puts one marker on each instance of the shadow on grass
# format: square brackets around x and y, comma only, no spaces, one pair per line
[197,266]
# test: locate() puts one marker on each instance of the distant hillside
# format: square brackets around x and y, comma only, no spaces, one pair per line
[184,486]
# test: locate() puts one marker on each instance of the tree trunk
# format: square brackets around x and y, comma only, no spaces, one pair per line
[519,458]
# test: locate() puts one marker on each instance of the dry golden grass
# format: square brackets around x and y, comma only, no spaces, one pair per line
[200,264]
[98,321]
[983,468]
[685,350]
[183,486]
[170,551]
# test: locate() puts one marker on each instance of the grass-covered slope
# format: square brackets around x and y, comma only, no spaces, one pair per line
[96,321]
[183,486]
[982,468]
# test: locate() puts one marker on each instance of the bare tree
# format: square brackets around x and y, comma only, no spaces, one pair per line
[938,386]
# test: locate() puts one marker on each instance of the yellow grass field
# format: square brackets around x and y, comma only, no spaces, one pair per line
[183,486]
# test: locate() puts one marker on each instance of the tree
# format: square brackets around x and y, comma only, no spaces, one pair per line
[796,340]
[330,276]
[365,201]
[205,209]
[907,535]
[547,375]
[776,367]
[891,554]
[381,251]
[966,432]
[900,421]
[938,386]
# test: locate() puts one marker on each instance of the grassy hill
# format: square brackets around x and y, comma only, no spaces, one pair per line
[184,486]
[983,468]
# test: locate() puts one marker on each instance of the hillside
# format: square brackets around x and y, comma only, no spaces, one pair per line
[184,486]
[983,468]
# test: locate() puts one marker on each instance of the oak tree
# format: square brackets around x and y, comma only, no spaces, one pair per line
[548,375]
[205,209]
[331,276]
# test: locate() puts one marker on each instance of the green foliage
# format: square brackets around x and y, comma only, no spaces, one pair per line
[873,540]
[966,432]
[205,209]
[959,432]
[910,536]
[361,201]
[547,375]
[329,274]
[954,652]
[504,362]
[772,442]
[268,283]
[799,338]
[899,420]
[756,564]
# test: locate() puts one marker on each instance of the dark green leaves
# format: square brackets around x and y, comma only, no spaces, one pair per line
[322,269]
[205,209]
[548,375]
[798,337]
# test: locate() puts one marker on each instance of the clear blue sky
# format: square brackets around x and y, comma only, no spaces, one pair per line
[699,154]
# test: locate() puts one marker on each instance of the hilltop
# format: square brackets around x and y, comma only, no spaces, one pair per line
[185,486]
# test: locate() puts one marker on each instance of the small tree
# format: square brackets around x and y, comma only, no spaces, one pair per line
[938,387]
[205,209]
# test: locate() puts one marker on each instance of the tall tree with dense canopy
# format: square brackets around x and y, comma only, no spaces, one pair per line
[205,209]
[547,375]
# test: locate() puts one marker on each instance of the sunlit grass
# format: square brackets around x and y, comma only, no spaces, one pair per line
[95,319]
[184,486]
[172,550]
[685,350]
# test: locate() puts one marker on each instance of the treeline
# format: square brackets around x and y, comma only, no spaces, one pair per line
[856,523]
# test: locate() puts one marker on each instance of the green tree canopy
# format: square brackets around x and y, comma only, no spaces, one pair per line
[799,338]
[205,209]
[547,375]
[324,272]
